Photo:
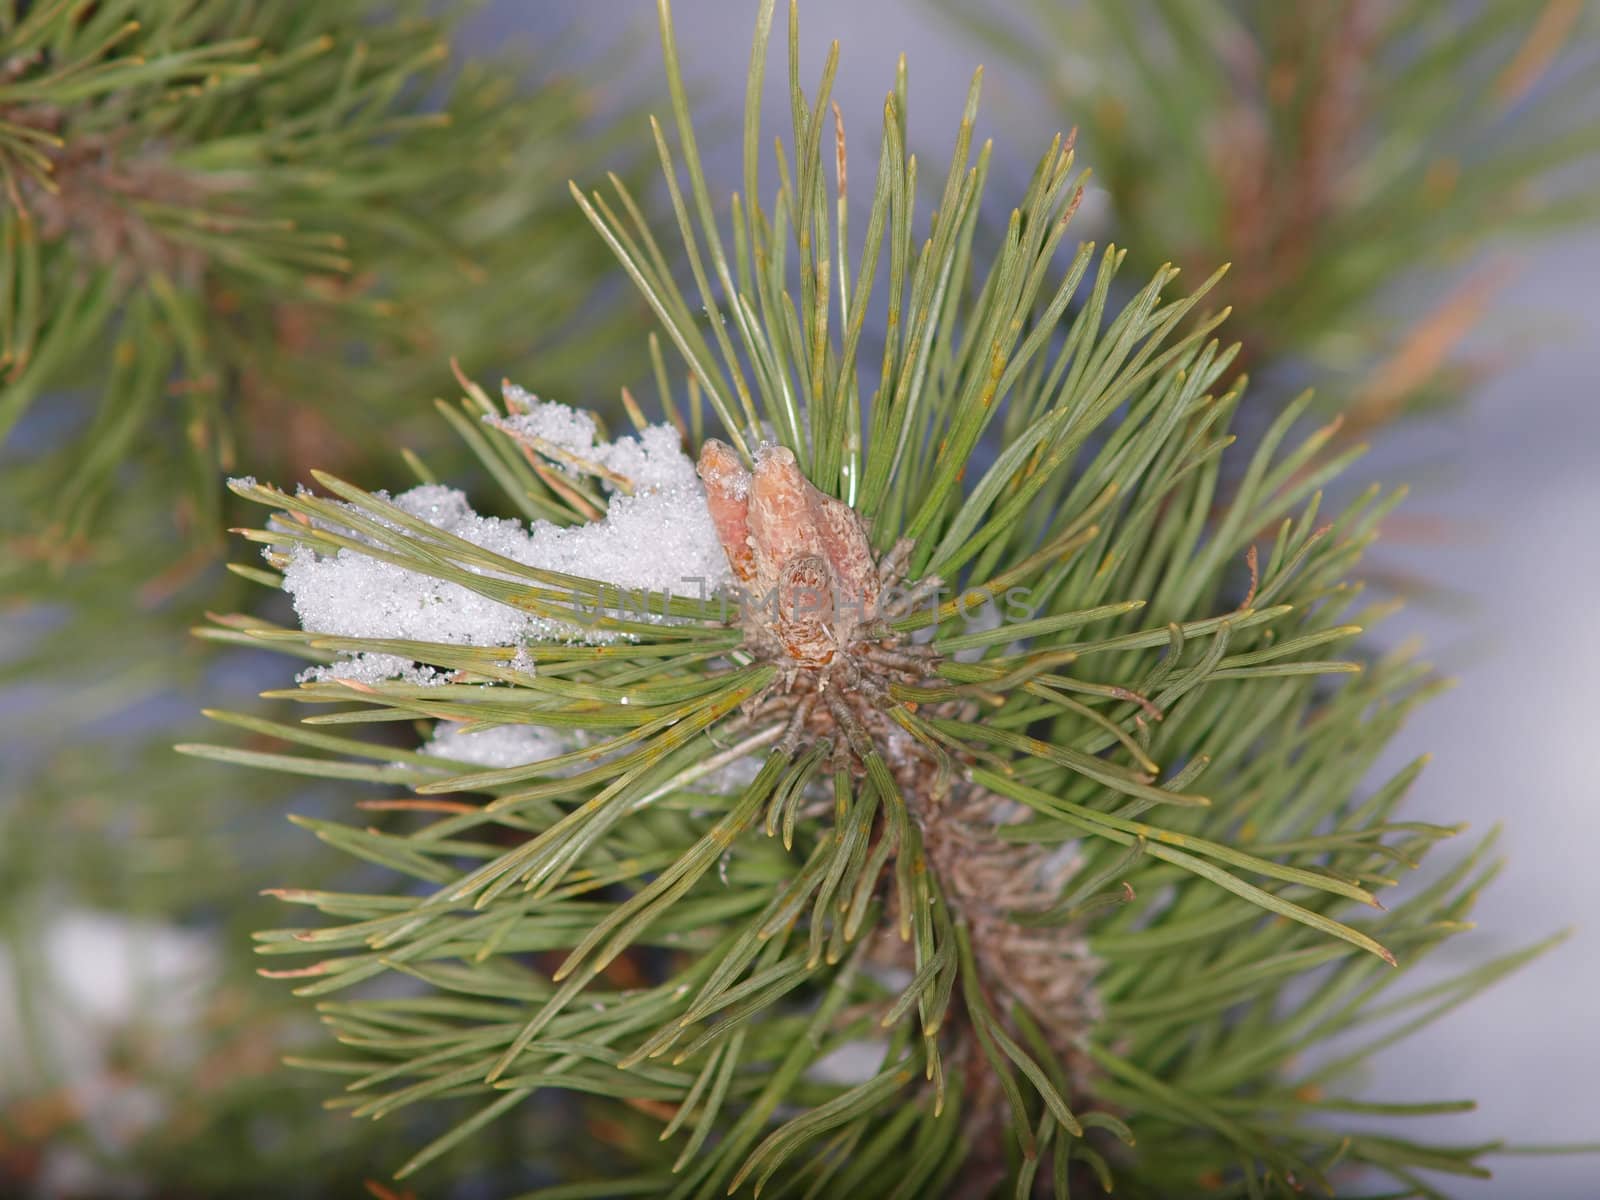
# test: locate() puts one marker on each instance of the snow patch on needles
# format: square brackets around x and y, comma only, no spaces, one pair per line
[371,669]
[651,460]
[562,427]
[521,745]
[656,535]
[504,746]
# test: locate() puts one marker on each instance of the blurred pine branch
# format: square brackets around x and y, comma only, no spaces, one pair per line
[1353,160]
[228,232]
[254,224]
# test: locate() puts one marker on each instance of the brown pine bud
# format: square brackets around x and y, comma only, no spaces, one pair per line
[783,516]
[728,499]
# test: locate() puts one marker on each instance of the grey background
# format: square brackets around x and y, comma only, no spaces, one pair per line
[1512,480]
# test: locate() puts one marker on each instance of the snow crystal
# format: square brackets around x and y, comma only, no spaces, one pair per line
[518,745]
[565,428]
[660,538]
[504,746]
[654,459]
[370,669]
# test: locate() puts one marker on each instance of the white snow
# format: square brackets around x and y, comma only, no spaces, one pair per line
[371,669]
[517,745]
[651,460]
[659,538]
[565,428]
[103,983]
[503,746]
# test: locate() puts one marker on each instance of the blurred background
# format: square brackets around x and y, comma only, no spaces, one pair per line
[1407,194]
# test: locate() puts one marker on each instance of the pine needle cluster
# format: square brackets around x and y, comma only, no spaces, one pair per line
[1008,832]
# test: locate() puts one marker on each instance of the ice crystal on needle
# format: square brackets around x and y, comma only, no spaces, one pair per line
[560,426]
[654,459]
[656,534]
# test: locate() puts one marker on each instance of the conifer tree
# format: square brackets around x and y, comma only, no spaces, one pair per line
[939,775]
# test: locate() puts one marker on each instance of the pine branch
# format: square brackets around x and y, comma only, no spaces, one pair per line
[215,218]
[1329,153]
[1036,794]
